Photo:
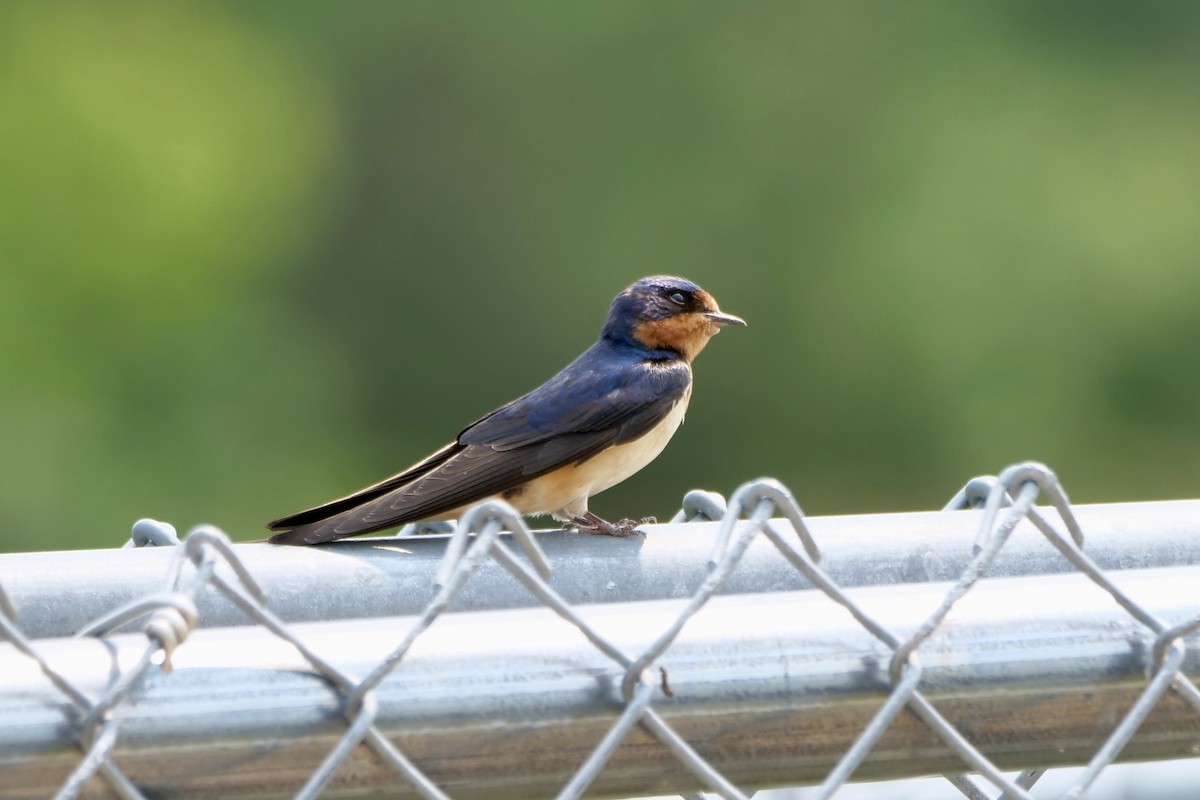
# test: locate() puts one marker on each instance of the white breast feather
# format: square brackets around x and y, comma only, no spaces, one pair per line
[565,492]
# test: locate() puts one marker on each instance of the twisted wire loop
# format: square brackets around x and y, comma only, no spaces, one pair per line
[95,740]
[701,506]
[758,509]
[152,533]
[973,494]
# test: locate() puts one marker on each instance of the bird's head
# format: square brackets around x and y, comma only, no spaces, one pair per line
[666,313]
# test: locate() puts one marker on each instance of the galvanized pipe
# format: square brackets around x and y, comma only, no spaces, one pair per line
[57,593]
[770,688]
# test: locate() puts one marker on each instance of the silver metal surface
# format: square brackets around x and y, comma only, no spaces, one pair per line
[57,593]
[771,689]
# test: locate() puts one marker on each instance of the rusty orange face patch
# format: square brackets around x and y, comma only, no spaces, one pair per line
[684,333]
[706,300]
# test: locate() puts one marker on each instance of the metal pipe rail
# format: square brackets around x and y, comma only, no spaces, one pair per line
[770,688]
[57,593]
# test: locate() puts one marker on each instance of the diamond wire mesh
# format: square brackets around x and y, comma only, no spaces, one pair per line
[171,614]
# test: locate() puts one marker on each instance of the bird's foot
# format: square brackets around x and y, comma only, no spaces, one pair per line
[591,523]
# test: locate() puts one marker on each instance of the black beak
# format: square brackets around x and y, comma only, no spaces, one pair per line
[724,319]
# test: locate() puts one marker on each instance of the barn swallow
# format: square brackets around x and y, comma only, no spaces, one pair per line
[609,413]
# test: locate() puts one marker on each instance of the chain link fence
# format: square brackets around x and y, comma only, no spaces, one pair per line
[817,683]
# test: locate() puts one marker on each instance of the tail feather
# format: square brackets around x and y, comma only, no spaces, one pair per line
[325,522]
[326,530]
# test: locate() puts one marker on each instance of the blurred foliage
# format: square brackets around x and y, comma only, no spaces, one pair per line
[253,256]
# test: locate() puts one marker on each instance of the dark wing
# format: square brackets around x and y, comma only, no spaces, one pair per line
[334,507]
[602,399]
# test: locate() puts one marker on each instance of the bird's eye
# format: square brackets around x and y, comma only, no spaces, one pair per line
[678,298]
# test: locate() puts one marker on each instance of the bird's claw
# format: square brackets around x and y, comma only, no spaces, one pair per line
[626,527]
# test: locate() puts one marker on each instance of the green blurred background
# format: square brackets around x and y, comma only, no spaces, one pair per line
[253,256]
